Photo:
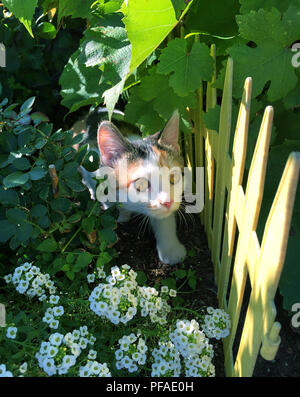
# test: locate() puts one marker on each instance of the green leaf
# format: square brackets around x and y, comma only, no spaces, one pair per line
[37,173]
[192,282]
[88,224]
[147,24]
[27,104]
[108,221]
[106,45]
[270,27]
[255,5]
[108,235]
[8,197]
[263,64]
[83,259]
[24,232]
[38,210]
[7,230]
[16,215]
[75,185]
[273,33]
[23,10]
[188,68]
[15,179]
[80,84]
[180,273]
[21,163]
[48,245]
[46,30]
[74,8]
[61,204]
[70,275]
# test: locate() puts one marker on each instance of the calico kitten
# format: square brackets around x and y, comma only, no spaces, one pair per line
[147,159]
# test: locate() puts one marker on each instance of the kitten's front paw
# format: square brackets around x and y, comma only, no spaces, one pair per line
[172,255]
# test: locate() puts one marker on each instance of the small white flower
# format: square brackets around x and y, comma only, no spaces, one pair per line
[23,368]
[8,278]
[52,351]
[54,324]
[11,332]
[58,311]
[92,354]
[54,299]
[90,278]
[56,339]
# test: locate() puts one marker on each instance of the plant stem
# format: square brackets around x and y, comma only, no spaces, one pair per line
[78,230]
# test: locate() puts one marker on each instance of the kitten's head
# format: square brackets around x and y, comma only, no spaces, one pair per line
[149,170]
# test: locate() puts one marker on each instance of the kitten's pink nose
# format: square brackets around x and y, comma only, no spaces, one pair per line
[166,204]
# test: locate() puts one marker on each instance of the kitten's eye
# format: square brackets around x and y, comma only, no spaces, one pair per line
[175,177]
[142,184]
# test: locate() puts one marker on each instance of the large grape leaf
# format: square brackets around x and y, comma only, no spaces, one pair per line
[106,45]
[147,24]
[99,67]
[255,5]
[80,84]
[273,33]
[155,97]
[23,10]
[188,68]
[74,8]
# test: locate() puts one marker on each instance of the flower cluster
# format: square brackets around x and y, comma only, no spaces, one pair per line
[115,299]
[166,360]
[132,351]
[4,373]
[194,347]
[154,305]
[59,353]
[119,298]
[29,280]
[216,323]
[93,369]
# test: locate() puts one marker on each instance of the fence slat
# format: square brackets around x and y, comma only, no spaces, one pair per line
[251,208]
[223,146]
[261,313]
[239,153]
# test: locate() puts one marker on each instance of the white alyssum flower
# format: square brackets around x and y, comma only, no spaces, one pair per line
[11,332]
[114,299]
[94,368]
[29,280]
[216,323]
[131,353]
[194,349]
[90,278]
[23,368]
[166,360]
[4,373]
[57,355]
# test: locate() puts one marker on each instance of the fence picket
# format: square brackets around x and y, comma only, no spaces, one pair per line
[261,313]
[223,145]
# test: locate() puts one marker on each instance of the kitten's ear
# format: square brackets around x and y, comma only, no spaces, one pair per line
[112,145]
[169,136]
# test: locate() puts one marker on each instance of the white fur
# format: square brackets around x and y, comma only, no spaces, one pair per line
[169,248]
